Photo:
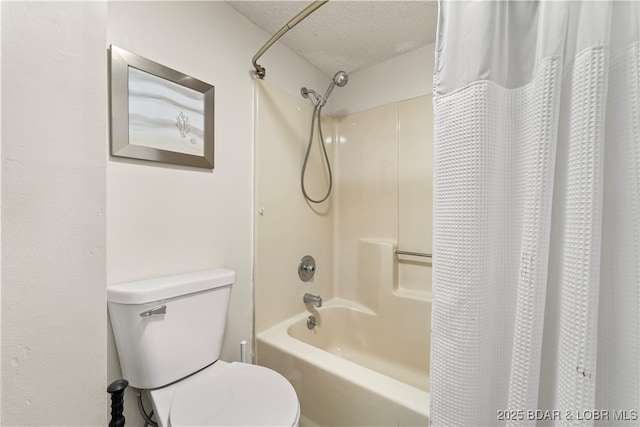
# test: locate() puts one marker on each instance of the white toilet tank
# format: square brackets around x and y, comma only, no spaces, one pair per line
[169,327]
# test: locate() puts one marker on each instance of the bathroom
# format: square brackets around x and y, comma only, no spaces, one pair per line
[75,219]
[122,220]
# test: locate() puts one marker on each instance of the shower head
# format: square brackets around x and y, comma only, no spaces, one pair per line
[339,79]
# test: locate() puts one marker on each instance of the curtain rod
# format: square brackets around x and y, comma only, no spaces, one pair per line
[260,70]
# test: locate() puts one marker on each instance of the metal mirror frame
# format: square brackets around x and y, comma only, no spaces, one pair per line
[120,62]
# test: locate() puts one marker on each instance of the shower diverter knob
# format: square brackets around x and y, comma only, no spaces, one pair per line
[307,268]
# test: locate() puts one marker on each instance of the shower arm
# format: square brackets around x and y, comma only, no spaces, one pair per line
[260,70]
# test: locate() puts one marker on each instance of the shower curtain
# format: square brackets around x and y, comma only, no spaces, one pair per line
[536,251]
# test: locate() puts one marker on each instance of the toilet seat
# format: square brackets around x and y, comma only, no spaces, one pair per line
[239,394]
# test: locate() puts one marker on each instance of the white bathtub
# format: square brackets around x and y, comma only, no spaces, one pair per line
[355,368]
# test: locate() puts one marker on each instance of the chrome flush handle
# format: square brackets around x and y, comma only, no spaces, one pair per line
[155,311]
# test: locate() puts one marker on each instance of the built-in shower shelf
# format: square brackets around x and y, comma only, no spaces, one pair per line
[413,294]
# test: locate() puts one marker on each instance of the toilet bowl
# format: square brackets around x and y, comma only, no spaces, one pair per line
[168,334]
[227,394]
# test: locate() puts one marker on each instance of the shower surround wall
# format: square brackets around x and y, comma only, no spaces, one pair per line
[287,227]
[279,151]
[382,195]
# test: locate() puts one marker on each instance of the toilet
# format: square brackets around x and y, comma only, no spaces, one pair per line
[169,333]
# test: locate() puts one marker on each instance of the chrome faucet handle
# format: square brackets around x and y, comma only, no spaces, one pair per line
[306,268]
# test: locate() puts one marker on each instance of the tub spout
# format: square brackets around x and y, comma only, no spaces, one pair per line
[312,299]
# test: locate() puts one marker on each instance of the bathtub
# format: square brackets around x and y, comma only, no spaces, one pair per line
[354,368]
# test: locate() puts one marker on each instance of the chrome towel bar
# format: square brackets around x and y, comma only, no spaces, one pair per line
[398,252]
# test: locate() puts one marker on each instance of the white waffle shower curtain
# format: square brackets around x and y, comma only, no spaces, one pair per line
[536,279]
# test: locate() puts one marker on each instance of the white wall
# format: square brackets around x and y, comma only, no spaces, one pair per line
[163,219]
[54,321]
[0,222]
[404,77]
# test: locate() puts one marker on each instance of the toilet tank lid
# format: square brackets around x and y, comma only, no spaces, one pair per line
[160,288]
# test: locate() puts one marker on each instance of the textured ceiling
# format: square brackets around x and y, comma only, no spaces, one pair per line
[347,35]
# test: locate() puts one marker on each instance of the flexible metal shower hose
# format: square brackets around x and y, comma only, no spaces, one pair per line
[317,110]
